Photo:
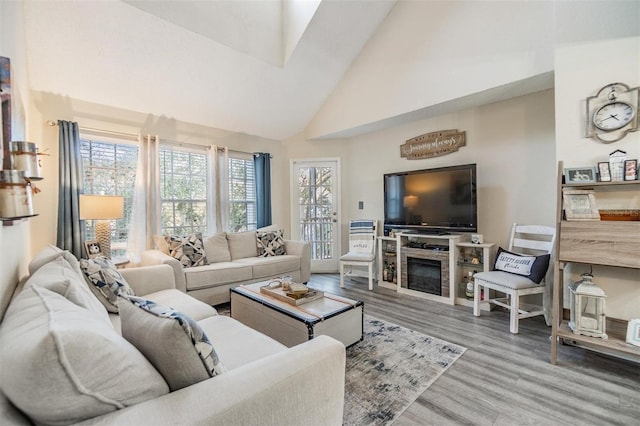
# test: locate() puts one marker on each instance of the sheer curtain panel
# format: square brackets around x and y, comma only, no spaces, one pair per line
[145,214]
[218,190]
[70,228]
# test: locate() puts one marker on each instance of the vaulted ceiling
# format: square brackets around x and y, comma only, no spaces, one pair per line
[256,67]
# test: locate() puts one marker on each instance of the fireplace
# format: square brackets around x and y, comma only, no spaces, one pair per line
[425,271]
[424,275]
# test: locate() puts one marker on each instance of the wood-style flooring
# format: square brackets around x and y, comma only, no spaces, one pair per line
[503,379]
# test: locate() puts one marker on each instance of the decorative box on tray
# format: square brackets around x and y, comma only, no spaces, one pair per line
[292,293]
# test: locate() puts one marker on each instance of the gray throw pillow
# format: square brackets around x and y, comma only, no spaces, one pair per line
[173,342]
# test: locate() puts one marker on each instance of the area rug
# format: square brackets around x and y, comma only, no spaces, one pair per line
[390,369]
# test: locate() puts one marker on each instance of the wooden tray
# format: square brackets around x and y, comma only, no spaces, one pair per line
[278,293]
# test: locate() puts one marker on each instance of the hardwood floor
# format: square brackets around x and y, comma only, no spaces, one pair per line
[503,379]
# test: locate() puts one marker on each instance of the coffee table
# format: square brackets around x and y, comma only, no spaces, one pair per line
[331,315]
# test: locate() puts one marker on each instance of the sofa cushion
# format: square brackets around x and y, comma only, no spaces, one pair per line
[270,243]
[184,303]
[237,344]
[189,249]
[174,343]
[216,248]
[217,274]
[242,244]
[105,280]
[267,267]
[60,277]
[62,363]
[48,254]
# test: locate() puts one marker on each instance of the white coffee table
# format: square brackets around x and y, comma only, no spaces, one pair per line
[332,315]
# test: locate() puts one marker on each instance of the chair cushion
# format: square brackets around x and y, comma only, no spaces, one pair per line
[189,250]
[62,363]
[105,280]
[358,257]
[174,343]
[530,266]
[270,243]
[504,279]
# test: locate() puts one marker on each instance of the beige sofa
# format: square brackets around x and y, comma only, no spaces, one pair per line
[59,365]
[233,260]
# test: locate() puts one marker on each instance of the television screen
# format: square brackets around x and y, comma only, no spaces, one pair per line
[432,200]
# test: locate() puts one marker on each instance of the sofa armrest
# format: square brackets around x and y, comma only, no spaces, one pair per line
[301,385]
[156,257]
[149,279]
[302,249]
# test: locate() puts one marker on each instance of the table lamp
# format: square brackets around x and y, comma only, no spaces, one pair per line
[102,208]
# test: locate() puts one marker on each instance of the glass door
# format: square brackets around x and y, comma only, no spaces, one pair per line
[315,213]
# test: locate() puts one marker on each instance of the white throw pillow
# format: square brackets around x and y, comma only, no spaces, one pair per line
[216,248]
[63,364]
[173,342]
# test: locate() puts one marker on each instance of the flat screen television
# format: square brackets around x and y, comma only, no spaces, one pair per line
[438,200]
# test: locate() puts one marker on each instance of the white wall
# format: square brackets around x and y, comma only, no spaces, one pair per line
[512,143]
[581,70]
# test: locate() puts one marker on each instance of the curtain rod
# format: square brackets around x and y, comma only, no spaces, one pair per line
[135,137]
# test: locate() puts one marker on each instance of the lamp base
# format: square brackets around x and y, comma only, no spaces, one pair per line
[103,235]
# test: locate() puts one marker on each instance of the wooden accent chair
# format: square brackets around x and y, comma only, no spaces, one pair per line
[362,248]
[533,241]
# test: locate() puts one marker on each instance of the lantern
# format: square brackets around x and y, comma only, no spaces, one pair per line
[586,301]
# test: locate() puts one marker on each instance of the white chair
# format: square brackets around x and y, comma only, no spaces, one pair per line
[362,248]
[532,240]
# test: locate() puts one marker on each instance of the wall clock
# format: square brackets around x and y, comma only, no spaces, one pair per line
[612,113]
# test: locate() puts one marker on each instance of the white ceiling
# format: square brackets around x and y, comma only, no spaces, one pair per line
[222,64]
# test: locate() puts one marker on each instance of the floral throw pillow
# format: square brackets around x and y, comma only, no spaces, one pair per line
[188,250]
[105,281]
[270,243]
[173,342]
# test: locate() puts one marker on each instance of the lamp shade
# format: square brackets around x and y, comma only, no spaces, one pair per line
[101,207]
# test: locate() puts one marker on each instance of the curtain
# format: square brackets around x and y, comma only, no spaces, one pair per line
[217,190]
[70,229]
[262,166]
[145,212]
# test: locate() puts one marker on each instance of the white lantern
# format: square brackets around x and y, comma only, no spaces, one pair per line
[586,301]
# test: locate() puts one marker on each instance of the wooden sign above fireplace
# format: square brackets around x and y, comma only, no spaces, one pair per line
[433,144]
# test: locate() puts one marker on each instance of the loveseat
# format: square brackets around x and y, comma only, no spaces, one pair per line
[65,360]
[216,263]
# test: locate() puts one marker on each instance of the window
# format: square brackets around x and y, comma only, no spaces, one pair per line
[242,194]
[183,191]
[110,169]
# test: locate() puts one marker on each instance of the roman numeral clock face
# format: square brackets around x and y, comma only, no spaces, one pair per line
[613,116]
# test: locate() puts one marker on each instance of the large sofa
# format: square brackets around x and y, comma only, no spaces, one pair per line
[232,259]
[65,360]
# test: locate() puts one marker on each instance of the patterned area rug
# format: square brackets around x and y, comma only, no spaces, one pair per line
[390,369]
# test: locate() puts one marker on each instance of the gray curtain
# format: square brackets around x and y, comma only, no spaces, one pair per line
[70,228]
[262,166]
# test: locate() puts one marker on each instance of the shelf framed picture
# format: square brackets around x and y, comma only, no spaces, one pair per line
[633,332]
[631,170]
[580,175]
[579,204]
[604,171]
[93,249]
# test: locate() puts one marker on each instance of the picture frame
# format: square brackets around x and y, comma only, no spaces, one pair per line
[604,171]
[631,170]
[633,332]
[580,175]
[580,204]
[92,248]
